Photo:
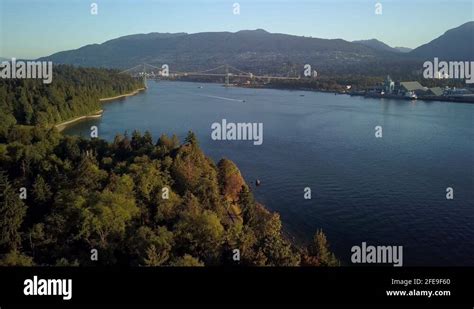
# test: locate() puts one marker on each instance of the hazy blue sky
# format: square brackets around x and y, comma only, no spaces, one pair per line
[33,28]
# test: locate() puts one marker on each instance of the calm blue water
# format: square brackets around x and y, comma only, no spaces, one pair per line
[388,191]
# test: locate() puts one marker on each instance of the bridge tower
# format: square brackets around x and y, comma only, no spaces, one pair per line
[227,75]
[144,76]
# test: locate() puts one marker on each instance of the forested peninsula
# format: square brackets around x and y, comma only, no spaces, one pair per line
[73,92]
[133,201]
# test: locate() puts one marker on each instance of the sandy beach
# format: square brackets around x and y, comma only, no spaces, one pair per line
[61,126]
[121,96]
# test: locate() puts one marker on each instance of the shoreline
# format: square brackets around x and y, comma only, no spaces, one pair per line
[443,99]
[63,125]
[122,95]
[97,114]
[447,99]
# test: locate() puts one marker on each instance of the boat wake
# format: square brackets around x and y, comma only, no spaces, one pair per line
[220,98]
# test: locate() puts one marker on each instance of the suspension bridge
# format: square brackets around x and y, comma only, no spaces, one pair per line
[148,71]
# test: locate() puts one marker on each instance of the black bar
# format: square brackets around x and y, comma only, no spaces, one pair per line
[239,285]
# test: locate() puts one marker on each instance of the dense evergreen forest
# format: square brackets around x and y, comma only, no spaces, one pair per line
[136,201]
[73,92]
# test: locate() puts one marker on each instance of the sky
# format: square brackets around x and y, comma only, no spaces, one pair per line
[35,28]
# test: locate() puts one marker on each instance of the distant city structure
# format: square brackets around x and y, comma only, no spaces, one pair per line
[389,85]
[413,90]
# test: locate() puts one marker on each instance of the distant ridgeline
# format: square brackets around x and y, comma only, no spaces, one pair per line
[73,92]
[67,200]
[262,53]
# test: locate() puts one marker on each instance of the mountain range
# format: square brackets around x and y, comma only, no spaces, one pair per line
[376,44]
[260,51]
[454,44]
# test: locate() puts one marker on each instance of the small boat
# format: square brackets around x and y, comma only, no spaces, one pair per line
[301,95]
[411,95]
[200,87]
[257,182]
